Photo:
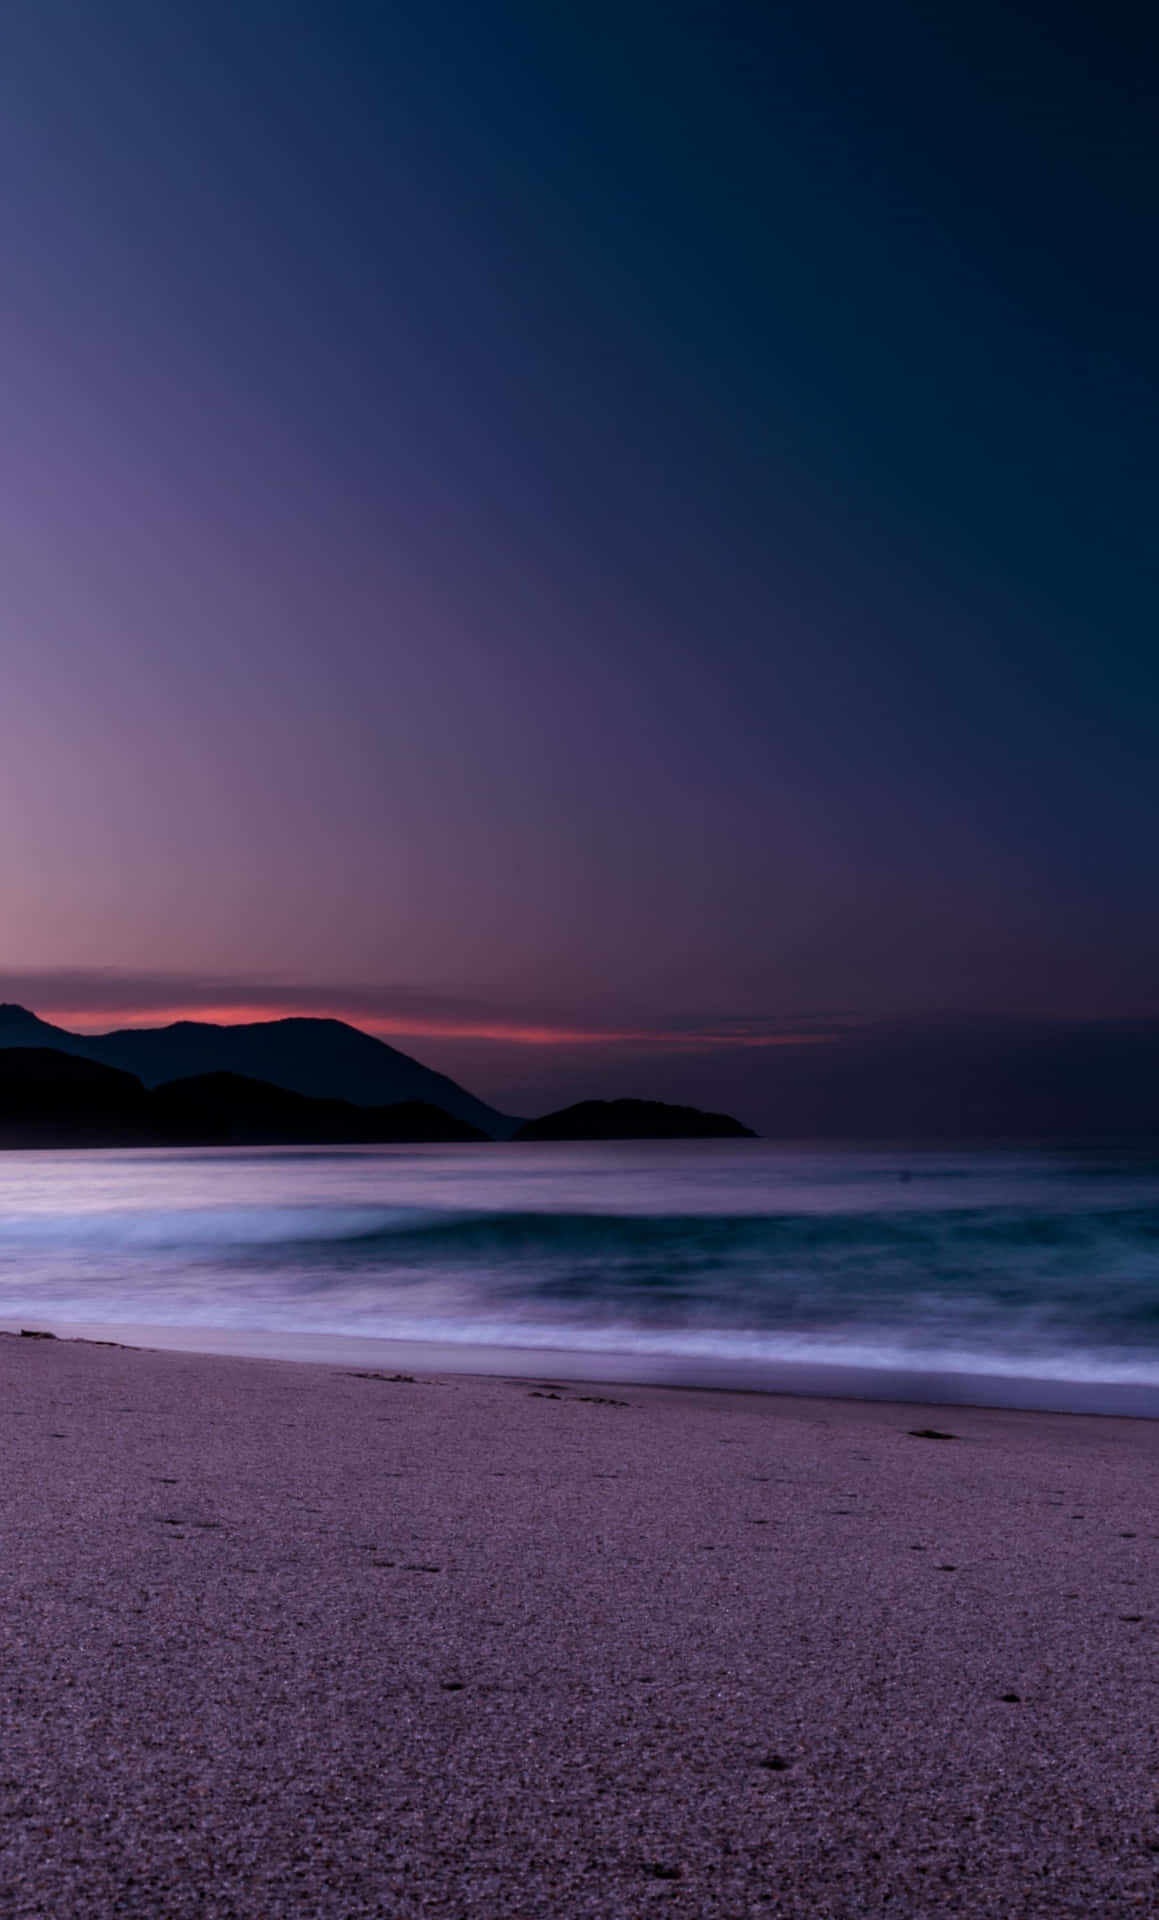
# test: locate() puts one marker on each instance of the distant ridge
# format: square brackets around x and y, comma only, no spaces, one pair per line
[633,1120]
[326,1059]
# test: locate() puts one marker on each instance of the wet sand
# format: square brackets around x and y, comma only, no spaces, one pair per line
[288,1640]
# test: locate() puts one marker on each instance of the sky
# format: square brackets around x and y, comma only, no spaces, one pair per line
[603,542]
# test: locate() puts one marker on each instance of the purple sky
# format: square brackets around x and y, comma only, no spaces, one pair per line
[628,526]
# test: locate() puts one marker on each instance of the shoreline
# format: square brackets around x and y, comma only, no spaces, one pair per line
[288,1640]
[898,1386]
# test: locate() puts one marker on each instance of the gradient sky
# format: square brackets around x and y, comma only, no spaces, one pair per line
[620,520]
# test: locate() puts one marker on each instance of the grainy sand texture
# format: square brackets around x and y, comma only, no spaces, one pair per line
[283,1640]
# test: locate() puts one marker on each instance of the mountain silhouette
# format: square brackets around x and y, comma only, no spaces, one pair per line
[325,1059]
[930,1079]
[633,1120]
[53,1099]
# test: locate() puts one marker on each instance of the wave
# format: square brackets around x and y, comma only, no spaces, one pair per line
[975,1263]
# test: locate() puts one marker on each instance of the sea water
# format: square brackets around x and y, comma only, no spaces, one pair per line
[702,1261]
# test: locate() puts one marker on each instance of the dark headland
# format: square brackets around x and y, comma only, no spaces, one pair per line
[633,1120]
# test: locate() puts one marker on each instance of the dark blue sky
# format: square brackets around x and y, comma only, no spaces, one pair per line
[631,519]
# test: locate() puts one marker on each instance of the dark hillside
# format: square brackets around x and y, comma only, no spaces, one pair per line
[51,1099]
[229,1109]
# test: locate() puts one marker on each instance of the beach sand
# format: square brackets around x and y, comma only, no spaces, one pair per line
[283,1640]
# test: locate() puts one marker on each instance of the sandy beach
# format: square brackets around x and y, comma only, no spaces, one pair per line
[296,1640]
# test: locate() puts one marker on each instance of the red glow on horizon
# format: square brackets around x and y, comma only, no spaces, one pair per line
[415,1027]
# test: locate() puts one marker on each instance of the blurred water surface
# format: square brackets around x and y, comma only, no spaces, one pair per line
[986,1262]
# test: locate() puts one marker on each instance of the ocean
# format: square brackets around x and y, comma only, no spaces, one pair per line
[1009,1275]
